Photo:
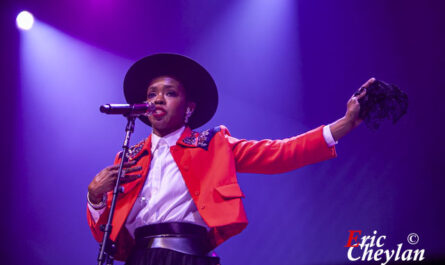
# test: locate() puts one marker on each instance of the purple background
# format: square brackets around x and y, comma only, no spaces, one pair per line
[282,67]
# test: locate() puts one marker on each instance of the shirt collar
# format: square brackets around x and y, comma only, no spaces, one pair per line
[170,138]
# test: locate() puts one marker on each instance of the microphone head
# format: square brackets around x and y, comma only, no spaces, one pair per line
[150,107]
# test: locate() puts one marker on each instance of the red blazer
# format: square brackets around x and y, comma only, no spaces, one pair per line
[208,162]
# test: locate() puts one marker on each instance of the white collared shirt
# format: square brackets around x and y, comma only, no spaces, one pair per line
[164,196]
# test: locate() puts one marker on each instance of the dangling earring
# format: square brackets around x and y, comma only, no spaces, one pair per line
[188,113]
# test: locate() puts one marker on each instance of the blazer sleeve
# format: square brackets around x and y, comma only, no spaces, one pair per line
[278,156]
[103,218]
[124,240]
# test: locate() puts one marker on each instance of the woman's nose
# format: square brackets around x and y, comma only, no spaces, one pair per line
[159,99]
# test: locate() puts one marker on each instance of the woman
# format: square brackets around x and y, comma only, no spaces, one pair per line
[181,197]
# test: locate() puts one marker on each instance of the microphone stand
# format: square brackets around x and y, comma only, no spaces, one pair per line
[108,247]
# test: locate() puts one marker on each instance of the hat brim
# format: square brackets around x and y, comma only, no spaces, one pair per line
[198,83]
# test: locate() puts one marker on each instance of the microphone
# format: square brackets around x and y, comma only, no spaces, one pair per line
[128,109]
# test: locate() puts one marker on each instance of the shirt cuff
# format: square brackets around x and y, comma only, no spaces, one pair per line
[328,136]
[95,213]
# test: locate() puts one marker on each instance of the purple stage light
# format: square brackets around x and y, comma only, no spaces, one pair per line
[24,20]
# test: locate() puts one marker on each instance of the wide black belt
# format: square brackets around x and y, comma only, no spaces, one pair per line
[182,237]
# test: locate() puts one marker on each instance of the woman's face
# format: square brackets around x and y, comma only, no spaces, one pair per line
[171,103]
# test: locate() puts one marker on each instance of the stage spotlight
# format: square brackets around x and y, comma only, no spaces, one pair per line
[24,20]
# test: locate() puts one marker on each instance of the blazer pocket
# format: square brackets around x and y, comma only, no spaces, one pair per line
[230,191]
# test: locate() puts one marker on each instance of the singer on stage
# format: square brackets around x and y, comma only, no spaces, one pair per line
[181,197]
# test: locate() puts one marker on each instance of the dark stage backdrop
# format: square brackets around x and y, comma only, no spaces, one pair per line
[282,67]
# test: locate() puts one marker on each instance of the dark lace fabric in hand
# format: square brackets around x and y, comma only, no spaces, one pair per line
[382,101]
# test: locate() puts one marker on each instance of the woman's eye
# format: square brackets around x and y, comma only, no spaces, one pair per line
[171,94]
[151,95]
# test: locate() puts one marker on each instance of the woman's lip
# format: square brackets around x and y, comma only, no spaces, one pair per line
[159,112]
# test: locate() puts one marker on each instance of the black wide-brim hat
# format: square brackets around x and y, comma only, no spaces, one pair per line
[198,83]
